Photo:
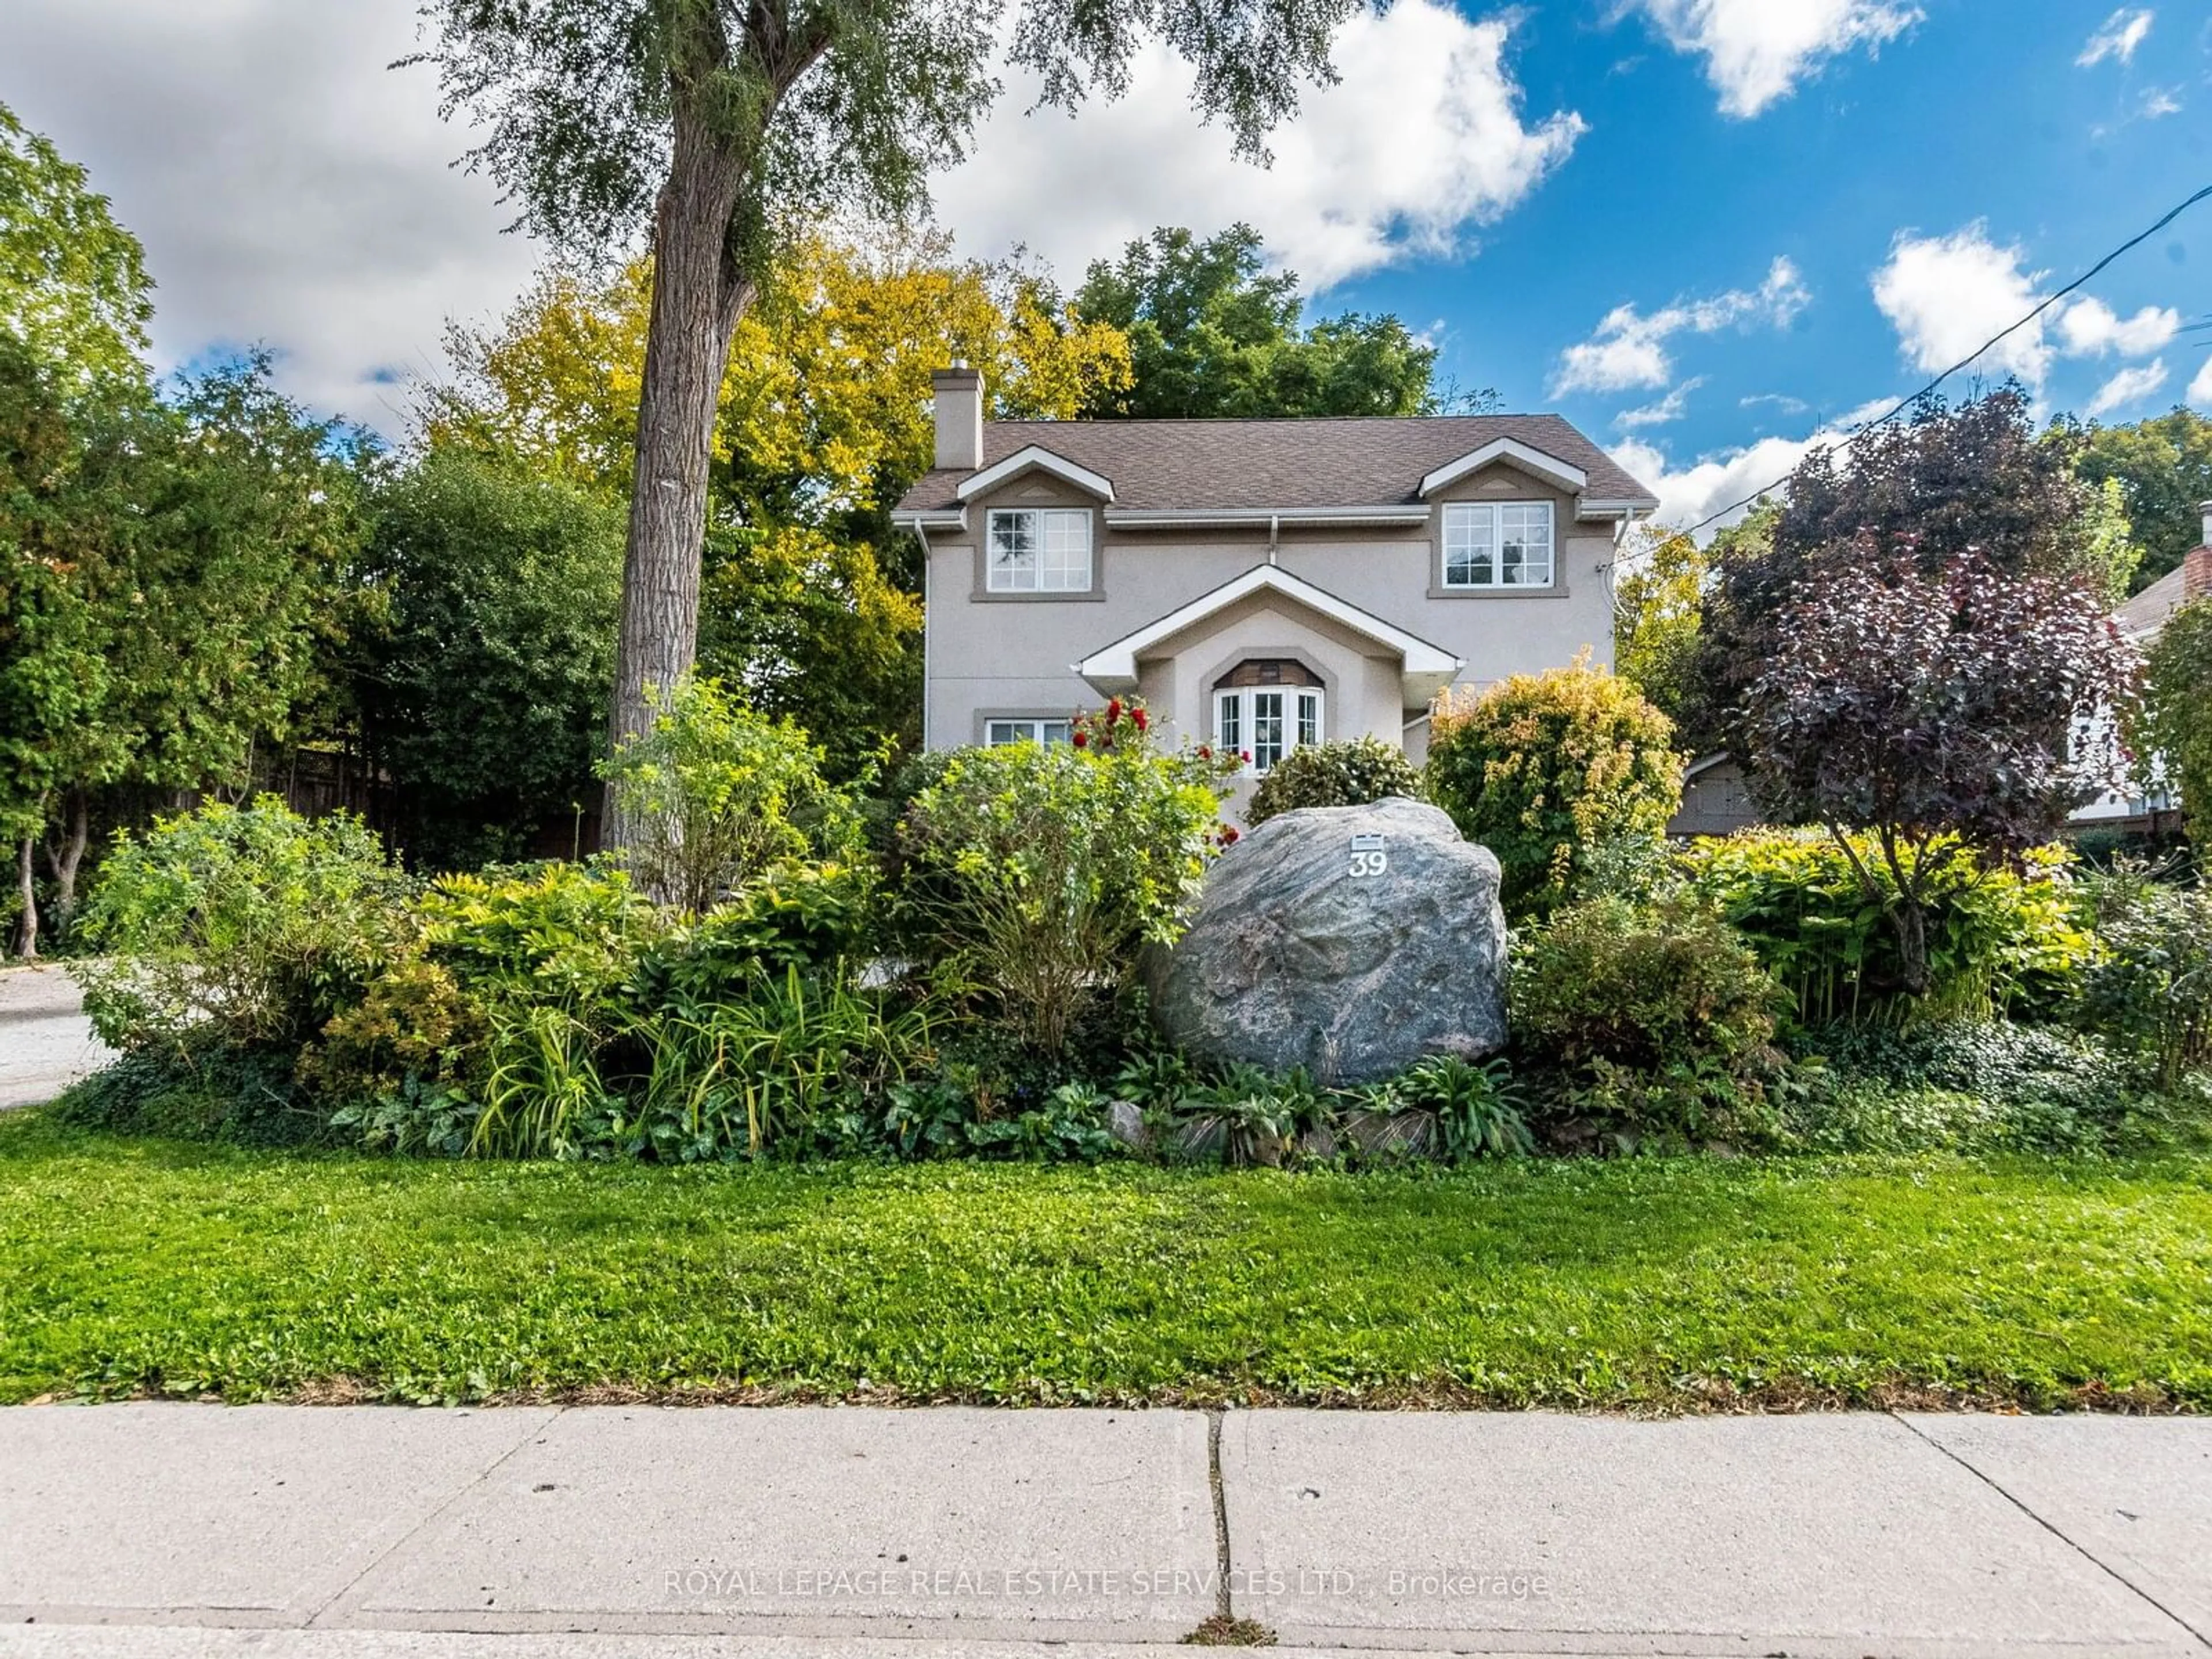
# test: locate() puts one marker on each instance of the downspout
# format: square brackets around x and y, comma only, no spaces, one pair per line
[1274,535]
[1612,591]
[923,537]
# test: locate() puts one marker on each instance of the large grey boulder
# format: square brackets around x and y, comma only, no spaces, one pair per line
[1352,940]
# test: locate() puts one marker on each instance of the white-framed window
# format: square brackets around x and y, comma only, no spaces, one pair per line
[1497,544]
[1028,728]
[1039,549]
[1266,722]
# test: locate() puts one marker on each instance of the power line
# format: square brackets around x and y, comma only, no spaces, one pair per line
[1905,403]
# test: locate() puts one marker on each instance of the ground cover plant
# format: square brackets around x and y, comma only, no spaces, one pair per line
[130,1265]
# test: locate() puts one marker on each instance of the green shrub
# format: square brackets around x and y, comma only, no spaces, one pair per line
[1998,940]
[562,935]
[236,926]
[1961,1085]
[1650,1021]
[200,1090]
[414,1027]
[797,915]
[1043,870]
[1334,775]
[2148,987]
[1541,768]
[717,795]
[544,1096]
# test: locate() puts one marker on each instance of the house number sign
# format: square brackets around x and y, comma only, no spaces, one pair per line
[1368,858]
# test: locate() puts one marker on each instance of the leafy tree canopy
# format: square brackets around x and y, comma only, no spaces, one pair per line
[73,283]
[2163,466]
[823,406]
[172,575]
[811,628]
[1213,333]
[1913,496]
[483,688]
[2172,735]
[1968,709]
[1659,600]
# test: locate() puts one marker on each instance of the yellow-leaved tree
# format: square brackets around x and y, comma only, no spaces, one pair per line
[811,599]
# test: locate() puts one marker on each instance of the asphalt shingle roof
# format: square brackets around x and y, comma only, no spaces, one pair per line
[1201,465]
[2146,612]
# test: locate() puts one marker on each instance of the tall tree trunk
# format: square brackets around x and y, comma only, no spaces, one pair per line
[63,861]
[699,294]
[26,930]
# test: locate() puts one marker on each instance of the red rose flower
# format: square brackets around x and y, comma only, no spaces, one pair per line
[1138,715]
[1230,834]
[1081,739]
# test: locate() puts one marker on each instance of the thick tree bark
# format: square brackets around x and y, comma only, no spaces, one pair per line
[27,929]
[699,296]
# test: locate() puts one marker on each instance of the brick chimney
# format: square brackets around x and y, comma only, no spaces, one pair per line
[2196,563]
[959,392]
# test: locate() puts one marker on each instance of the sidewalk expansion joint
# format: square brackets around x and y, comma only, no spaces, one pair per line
[1221,1557]
[2097,1562]
[313,1621]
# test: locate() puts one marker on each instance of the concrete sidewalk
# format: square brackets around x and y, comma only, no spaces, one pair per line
[184,1532]
[45,1041]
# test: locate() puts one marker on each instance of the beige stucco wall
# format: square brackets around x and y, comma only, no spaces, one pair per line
[1000,655]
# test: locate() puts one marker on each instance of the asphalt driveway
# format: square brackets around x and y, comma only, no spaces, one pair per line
[45,1041]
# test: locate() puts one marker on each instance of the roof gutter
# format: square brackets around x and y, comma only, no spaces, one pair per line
[1272,518]
[935,517]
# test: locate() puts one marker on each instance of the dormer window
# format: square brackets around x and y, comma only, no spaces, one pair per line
[1040,550]
[1497,544]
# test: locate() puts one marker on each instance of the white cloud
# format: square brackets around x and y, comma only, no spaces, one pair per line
[1947,295]
[1712,482]
[2160,101]
[1757,51]
[292,190]
[2123,31]
[1669,407]
[1628,348]
[1725,477]
[2091,326]
[2200,389]
[1422,137]
[289,188]
[2129,386]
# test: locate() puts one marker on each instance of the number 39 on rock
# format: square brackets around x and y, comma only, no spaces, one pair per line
[1368,858]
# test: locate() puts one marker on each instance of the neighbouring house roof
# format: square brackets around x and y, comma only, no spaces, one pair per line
[1426,668]
[2145,613]
[1286,465]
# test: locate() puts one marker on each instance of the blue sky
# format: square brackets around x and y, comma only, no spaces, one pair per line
[1705,230]
[1976,118]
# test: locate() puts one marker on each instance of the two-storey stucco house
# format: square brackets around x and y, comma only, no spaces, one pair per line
[1261,584]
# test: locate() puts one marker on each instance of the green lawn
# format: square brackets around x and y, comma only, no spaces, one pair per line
[138,1265]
